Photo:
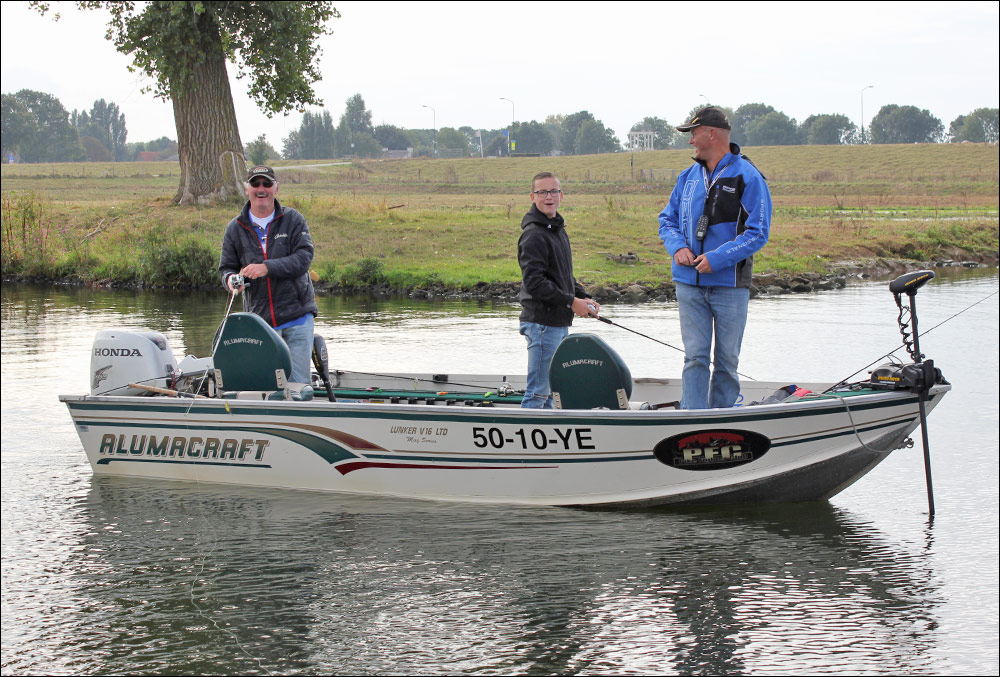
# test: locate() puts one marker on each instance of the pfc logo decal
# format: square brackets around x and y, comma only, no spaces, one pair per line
[711,449]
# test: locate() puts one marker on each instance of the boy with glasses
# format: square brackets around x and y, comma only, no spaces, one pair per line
[550,296]
[270,247]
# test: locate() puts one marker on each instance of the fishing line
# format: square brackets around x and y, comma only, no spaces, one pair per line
[214,541]
[924,333]
[615,324]
[225,318]
[197,573]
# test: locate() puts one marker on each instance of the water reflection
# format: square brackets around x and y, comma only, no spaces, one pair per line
[107,575]
[195,579]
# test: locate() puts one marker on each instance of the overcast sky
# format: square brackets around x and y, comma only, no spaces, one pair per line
[621,61]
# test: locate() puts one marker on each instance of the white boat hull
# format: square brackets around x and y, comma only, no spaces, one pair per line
[805,450]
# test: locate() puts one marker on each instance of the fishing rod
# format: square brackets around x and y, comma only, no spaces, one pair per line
[236,281]
[409,377]
[615,324]
[237,284]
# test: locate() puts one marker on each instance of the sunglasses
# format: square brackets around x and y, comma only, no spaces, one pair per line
[257,183]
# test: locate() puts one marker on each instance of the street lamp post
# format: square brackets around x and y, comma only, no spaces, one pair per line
[510,141]
[434,150]
[707,102]
[863,112]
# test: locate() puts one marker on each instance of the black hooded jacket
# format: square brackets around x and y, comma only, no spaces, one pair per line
[547,283]
[286,293]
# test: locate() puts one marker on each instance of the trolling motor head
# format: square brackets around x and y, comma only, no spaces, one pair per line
[910,282]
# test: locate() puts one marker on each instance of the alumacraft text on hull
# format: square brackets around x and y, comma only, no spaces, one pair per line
[464,437]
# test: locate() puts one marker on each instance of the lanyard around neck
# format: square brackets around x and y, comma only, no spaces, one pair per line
[719,172]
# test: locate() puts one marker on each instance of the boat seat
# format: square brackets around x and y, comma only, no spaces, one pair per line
[249,354]
[586,373]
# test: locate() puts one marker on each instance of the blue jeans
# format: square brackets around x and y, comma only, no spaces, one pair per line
[299,340]
[705,311]
[542,344]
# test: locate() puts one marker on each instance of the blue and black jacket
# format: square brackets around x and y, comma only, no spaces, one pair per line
[737,201]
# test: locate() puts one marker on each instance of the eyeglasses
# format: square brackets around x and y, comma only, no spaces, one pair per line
[257,183]
[543,193]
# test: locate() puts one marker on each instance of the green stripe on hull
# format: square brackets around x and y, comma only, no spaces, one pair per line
[401,413]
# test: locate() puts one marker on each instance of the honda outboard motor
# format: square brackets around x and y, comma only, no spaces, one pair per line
[121,357]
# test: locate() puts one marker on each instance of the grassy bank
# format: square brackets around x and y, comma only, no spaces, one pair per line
[456,222]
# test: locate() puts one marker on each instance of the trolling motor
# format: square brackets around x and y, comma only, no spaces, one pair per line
[919,376]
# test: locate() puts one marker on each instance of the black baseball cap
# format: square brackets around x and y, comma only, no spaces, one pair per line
[709,116]
[261,170]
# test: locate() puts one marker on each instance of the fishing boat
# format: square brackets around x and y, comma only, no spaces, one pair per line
[613,441]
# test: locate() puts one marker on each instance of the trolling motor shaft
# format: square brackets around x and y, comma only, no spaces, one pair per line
[922,374]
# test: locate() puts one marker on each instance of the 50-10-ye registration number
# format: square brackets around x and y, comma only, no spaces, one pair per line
[533,438]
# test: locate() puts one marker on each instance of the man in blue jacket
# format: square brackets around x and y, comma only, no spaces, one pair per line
[718,216]
[270,246]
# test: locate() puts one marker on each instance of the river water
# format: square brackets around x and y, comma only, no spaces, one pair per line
[117,575]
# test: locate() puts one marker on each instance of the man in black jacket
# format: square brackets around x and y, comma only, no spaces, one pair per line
[270,247]
[550,295]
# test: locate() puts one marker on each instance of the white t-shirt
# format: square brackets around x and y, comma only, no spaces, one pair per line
[261,225]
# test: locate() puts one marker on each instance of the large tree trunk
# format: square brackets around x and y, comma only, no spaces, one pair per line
[208,139]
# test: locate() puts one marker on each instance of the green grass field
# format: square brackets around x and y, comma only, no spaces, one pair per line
[456,222]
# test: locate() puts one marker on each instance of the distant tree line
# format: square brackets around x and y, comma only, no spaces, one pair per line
[754,124]
[37,128]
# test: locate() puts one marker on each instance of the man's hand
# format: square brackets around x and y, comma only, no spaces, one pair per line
[684,257]
[702,265]
[585,307]
[252,271]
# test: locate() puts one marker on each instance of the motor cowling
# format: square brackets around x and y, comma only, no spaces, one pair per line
[913,377]
[121,356]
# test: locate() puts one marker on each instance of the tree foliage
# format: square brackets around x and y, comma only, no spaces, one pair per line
[570,128]
[905,124]
[828,130]
[106,123]
[979,126]
[38,128]
[448,138]
[771,129]
[259,151]
[183,47]
[533,138]
[741,118]
[594,137]
[391,137]
[355,133]
[555,124]
[314,139]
